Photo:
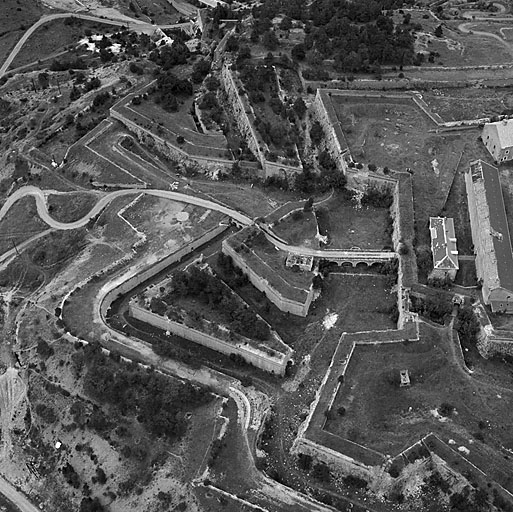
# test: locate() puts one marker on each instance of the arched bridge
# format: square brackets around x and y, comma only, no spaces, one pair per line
[336,255]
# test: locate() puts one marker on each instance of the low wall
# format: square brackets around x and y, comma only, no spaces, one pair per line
[260,283]
[272,364]
[168,149]
[335,460]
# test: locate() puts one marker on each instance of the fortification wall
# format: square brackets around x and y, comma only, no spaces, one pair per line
[240,111]
[492,343]
[166,148]
[336,461]
[273,364]
[260,283]
[244,116]
[332,131]
[129,281]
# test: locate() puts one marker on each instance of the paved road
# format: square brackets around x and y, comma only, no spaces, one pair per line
[16,497]
[135,25]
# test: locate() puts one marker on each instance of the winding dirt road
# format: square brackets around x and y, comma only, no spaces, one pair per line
[42,207]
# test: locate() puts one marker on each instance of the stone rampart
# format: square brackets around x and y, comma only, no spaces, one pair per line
[242,110]
[260,283]
[492,341]
[274,364]
[245,117]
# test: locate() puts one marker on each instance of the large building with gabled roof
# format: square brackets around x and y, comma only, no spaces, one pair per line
[498,139]
[443,248]
[490,235]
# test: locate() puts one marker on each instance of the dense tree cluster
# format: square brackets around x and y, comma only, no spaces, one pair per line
[168,88]
[436,307]
[467,325]
[309,182]
[359,36]
[200,70]
[210,290]
[167,56]
[275,120]
[160,403]
[65,65]
[378,198]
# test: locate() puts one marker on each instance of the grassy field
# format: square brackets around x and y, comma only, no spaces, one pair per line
[376,404]
[506,175]
[454,47]
[397,135]
[469,50]
[255,200]
[361,302]
[20,223]
[298,229]
[349,226]
[54,36]
[270,264]
[16,17]
[160,12]
[456,207]
[71,207]
[458,104]
[85,166]
[466,275]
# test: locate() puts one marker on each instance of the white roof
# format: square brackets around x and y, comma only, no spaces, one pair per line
[443,243]
[504,132]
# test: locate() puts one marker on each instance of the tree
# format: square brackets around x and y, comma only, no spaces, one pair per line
[232,44]
[304,461]
[212,83]
[43,349]
[43,79]
[136,69]
[316,133]
[439,31]
[91,505]
[321,472]
[298,52]
[286,23]
[200,70]
[299,107]
[270,41]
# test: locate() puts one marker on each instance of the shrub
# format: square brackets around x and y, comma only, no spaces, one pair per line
[304,461]
[355,481]
[446,409]
[321,472]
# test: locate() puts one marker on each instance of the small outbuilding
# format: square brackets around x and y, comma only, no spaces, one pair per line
[498,139]
[405,378]
[443,248]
